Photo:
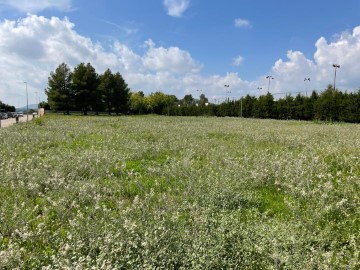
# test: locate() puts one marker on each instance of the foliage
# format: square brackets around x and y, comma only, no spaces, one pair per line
[59,91]
[44,105]
[121,94]
[159,103]
[85,84]
[6,107]
[155,192]
[107,88]
[329,105]
[85,90]
[137,103]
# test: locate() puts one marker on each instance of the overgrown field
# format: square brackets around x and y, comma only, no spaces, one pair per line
[179,193]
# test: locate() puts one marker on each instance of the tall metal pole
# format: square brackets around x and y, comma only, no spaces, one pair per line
[269,78]
[336,66]
[259,88]
[227,91]
[305,80]
[36,99]
[27,103]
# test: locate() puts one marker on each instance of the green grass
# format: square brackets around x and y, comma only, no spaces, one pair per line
[153,192]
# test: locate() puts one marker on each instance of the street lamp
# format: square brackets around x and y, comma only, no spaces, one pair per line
[336,66]
[227,91]
[269,78]
[305,80]
[27,103]
[259,88]
[36,99]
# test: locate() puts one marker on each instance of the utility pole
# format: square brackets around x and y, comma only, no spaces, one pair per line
[305,80]
[269,78]
[336,66]
[27,103]
[227,91]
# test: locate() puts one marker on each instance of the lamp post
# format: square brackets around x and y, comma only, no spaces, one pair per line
[336,66]
[306,80]
[227,91]
[27,103]
[36,100]
[269,78]
[259,88]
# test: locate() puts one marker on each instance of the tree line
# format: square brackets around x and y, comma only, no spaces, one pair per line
[84,90]
[6,107]
[329,105]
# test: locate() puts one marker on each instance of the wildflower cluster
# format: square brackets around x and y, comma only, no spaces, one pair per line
[159,192]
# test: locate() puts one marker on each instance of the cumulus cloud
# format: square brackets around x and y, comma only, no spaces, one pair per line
[36,5]
[170,59]
[344,50]
[241,23]
[34,46]
[176,8]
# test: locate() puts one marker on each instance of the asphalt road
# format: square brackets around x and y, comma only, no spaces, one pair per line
[11,121]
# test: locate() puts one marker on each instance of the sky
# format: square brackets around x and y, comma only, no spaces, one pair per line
[182,47]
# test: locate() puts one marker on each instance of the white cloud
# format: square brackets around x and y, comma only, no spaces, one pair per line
[34,46]
[241,23]
[176,8]
[170,59]
[344,50]
[238,60]
[32,6]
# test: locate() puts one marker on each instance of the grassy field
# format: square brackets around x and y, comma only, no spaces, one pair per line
[179,193]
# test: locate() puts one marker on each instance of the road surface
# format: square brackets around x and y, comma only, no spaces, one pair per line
[11,121]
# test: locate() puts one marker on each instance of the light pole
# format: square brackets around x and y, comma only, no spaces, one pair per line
[27,103]
[269,78]
[227,91]
[306,80]
[336,66]
[36,99]
[259,88]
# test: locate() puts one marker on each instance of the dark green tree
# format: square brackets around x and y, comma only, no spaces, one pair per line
[327,106]
[265,106]
[188,100]
[121,94]
[6,107]
[203,100]
[107,89]
[248,106]
[85,85]
[59,91]
[299,107]
[45,105]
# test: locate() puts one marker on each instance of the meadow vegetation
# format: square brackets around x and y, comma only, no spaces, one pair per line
[157,192]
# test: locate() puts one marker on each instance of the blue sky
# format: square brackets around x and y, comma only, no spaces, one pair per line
[180,46]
